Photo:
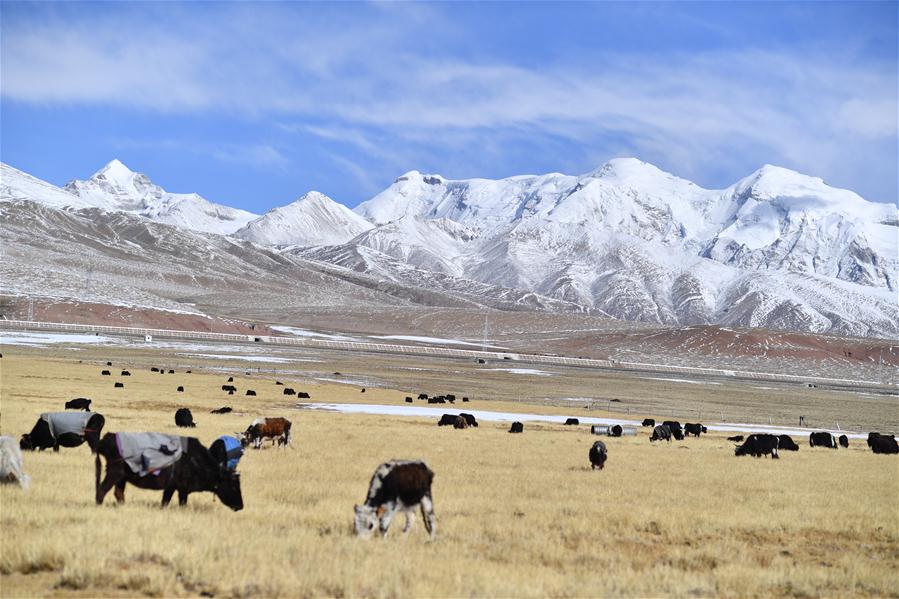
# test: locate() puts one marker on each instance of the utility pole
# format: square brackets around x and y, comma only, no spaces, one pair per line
[30,309]
[486,331]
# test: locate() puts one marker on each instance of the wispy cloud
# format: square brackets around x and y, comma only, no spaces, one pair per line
[353,80]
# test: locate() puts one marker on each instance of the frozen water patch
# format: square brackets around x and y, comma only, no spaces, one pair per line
[42,339]
[489,416]
[531,371]
[435,340]
[654,378]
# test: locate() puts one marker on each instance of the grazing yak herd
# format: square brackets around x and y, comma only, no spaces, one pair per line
[171,463]
[158,461]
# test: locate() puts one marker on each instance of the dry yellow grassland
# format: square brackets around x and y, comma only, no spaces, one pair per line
[518,515]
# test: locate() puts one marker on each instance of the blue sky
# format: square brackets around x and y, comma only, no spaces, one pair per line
[254,104]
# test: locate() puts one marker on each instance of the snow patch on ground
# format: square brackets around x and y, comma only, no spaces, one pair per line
[435,340]
[245,358]
[489,416]
[653,378]
[531,371]
[305,333]
[28,338]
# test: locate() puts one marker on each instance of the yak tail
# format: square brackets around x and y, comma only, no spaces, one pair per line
[289,436]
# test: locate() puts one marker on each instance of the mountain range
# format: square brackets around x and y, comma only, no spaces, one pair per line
[776,249]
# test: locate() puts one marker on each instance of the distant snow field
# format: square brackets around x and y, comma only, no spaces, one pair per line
[531,371]
[654,378]
[29,338]
[305,333]
[489,416]
[246,358]
[436,340]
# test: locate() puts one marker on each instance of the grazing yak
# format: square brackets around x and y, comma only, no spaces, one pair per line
[154,369]
[230,379]
[736,438]
[598,455]
[422,396]
[289,391]
[572,422]
[106,373]
[229,388]
[222,410]
[844,441]
[469,419]
[79,403]
[885,444]
[759,445]
[279,383]
[660,433]
[408,400]
[184,418]
[517,427]
[304,395]
[460,422]
[694,429]
[119,385]
[276,429]
[64,429]
[397,485]
[447,420]
[786,443]
[171,371]
[464,400]
[125,373]
[251,393]
[180,389]
[166,463]
[676,431]
[649,422]
[822,439]
[11,466]
[109,363]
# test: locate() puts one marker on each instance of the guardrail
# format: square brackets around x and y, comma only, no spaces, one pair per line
[434,351]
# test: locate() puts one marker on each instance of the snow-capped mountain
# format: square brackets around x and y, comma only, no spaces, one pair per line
[777,249]
[116,188]
[314,219]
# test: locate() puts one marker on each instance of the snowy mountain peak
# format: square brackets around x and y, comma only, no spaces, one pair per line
[313,219]
[114,170]
[116,188]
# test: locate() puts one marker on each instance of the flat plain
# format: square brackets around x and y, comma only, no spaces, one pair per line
[518,515]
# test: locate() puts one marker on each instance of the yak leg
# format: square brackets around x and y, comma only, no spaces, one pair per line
[427,512]
[387,517]
[182,496]
[120,491]
[410,521]
[108,483]
[167,495]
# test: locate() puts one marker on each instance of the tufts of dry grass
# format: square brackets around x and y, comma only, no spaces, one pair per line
[518,515]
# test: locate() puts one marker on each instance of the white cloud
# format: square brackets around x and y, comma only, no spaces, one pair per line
[354,76]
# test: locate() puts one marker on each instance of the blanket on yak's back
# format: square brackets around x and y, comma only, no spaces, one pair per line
[61,423]
[147,452]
